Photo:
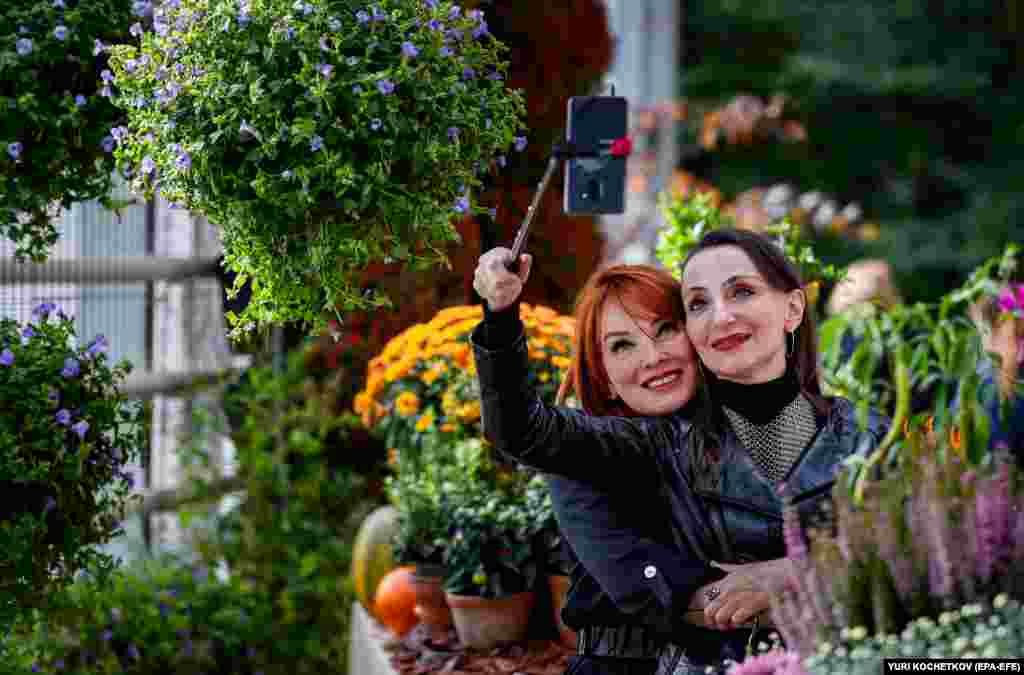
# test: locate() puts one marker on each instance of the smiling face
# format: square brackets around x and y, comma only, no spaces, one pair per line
[735,319]
[650,362]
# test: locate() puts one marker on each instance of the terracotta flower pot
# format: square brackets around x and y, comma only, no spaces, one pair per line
[431,604]
[559,586]
[485,623]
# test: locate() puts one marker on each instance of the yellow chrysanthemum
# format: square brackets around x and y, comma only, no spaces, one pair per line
[469,412]
[425,422]
[407,404]
[543,376]
[448,427]
[429,376]
[449,403]
[362,403]
[561,362]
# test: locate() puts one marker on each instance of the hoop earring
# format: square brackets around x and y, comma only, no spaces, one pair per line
[790,344]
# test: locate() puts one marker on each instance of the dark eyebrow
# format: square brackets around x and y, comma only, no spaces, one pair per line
[731,281]
[617,333]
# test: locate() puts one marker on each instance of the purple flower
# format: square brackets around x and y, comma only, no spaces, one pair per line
[58,4]
[480,30]
[316,143]
[453,133]
[106,91]
[148,165]
[107,635]
[496,77]
[461,205]
[454,12]
[28,332]
[324,47]
[377,14]
[133,651]
[136,29]
[23,46]
[71,368]
[432,4]
[375,123]
[80,100]
[118,133]
[455,35]
[43,310]
[468,73]
[51,504]
[409,50]
[63,417]
[53,396]
[14,149]
[385,86]
[356,89]
[99,345]
[142,8]
[97,47]
[183,162]
[362,17]
[520,143]
[444,51]
[60,32]
[6,357]
[325,69]
[502,161]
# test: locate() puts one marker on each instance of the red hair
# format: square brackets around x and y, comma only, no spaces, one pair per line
[644,291]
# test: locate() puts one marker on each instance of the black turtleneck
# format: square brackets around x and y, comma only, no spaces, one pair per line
[760,403]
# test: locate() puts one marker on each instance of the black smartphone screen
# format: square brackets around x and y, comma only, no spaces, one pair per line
[595,185]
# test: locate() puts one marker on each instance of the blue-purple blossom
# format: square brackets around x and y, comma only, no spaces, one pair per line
[59,4]
[23,46]
[444,51]
[454,12]
[80,100]
[432,4]
[453,133]
[107,635]
[97,47]
[434,24]
[99,345]
[106,91]
[409,50]
[377,14]
[51,504]
[480,30]
[148,165]
[356,89]
[462,205]
[28,332]
[106,75]
[362,17]
[60,32]
[385,86]
[136,29]
[455,35]
[14,149]
[53,396]
[492,212]
[324,47]
[63,417]
[80,428]
[119,133]
[71,368]
[520,143]
[468,73]
[375,123]
[43,310]
[133,651]
[183,162]
[325,69]
[6,357]
[316,144]
[142,8]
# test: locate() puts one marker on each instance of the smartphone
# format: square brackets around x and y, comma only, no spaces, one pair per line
[595,185]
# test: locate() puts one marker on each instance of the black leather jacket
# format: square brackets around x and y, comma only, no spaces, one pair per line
[732,515]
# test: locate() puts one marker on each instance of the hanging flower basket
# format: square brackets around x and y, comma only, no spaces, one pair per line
[322,136]
[55,112]
[66,436]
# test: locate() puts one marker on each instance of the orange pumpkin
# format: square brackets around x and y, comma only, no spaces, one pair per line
[395,601]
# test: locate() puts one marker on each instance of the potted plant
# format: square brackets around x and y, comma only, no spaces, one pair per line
[66,436]
[493,555]
[320,135]
[56,112]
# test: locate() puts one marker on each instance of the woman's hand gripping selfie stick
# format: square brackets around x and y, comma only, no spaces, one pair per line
[618,147]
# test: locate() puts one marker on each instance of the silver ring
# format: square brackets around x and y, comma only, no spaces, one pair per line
[712,593]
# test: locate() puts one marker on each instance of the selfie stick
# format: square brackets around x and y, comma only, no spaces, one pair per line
[619,147]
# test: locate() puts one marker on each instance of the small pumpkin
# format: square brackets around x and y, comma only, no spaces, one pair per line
[394,604]
[372,556]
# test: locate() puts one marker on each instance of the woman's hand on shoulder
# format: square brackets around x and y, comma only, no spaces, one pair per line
[495,283]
